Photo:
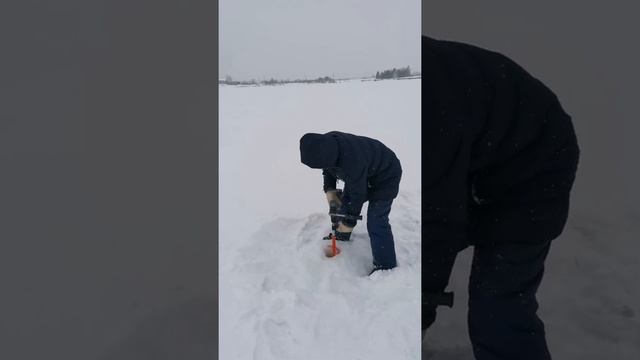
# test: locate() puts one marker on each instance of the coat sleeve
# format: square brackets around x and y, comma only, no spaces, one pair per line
[445,193]
[446,147]
[329,181]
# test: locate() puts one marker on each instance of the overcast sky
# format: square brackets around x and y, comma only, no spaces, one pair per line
[310,38]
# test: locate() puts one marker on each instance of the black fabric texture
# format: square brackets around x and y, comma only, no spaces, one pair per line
[491,133]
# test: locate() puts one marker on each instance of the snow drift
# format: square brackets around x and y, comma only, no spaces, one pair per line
[280,297]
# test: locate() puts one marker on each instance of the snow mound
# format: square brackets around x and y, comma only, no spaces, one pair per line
[280,297]
[289,301]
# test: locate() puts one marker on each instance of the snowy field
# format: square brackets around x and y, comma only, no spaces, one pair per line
[280,298]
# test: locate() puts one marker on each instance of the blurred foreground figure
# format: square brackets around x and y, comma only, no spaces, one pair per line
[499,159]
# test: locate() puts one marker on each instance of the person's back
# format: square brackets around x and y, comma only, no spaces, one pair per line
[499,159]
[364,154]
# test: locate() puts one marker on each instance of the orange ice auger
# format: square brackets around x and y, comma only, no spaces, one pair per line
[333,249]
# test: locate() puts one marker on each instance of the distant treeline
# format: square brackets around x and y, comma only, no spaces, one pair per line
[320,80]
[393,73]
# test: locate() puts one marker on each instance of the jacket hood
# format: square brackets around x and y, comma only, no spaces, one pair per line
[319,151]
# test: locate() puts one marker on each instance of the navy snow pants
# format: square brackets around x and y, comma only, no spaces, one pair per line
[382,245]
[502,318]
[511,243]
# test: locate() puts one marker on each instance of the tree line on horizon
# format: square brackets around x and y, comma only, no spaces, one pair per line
[393,73]
[320,80]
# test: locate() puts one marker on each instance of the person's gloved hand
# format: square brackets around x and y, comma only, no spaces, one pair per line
[343,232]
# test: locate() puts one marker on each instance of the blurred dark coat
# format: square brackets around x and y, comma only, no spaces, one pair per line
[369,169]
[495,138]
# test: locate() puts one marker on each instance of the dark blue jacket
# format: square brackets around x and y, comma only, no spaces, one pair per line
[490,132]
[369,169]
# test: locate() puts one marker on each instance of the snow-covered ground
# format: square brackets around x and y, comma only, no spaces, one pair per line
[280,298]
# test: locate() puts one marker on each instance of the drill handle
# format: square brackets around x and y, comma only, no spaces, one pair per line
[350,217]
